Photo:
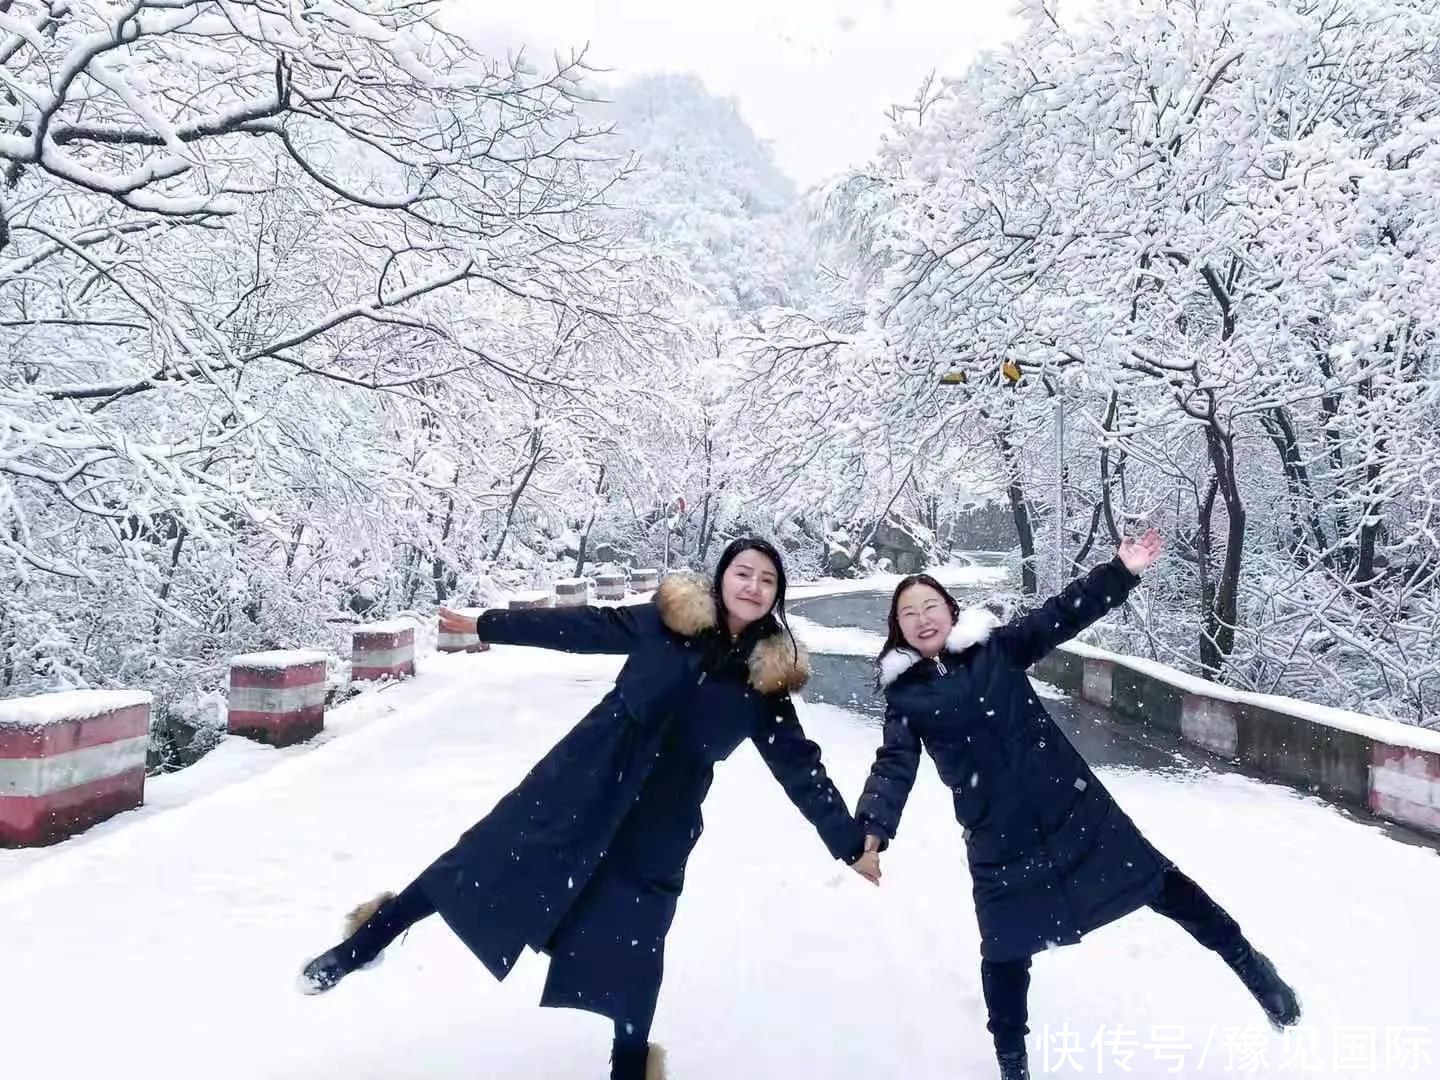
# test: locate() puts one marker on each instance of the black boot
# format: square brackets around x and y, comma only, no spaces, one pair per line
[1275,997]
[368,929]
[1013,1065]
[325,971]
[632,1061]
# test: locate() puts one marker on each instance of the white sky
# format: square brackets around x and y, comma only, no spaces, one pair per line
[812,77]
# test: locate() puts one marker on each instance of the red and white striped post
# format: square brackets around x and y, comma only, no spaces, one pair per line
[457,643]
[1405,785]
[1098,680]
[572,592]
[610,586]
[69,760]
[643,581]
[384,650]
[1210,722]
[278,697]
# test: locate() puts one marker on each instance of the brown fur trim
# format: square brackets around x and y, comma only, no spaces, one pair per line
[363,913]
[655,1063]
[688,609]
[776,667]
[685,604]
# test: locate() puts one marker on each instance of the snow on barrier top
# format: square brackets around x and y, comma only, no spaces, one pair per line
[67,706]
[393,626]
[853,641]
[533,597]
[1393,732]
[573,584]
[279,658]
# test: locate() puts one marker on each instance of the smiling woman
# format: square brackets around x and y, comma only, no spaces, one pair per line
[748,587]
[1051,855]
[585,859]
[922,616]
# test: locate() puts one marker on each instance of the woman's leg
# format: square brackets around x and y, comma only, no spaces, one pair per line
[392,916]
[1208,923]
[387,922]
[1006,985]
[631,1053]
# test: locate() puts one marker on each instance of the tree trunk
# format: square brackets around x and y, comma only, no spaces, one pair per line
[413,558]
[158,622]
[1107,482]
[703,537]
[1077,564]
[292,549]
[1303,511]
[1329,415]
[1101,508]
[1227,597]
[536,452]
[1210,658]
[7,643]
[1222,613]
[1370,525]
[585,536]
[1020,510]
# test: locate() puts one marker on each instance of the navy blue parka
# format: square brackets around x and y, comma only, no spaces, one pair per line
[1051,855]
[585,859]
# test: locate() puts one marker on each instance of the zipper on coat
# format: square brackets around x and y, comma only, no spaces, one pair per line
[939,664]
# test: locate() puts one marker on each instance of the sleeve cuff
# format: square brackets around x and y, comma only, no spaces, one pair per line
[870,828]
[1130,579]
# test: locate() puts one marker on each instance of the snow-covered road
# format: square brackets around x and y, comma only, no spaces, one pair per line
[164,944]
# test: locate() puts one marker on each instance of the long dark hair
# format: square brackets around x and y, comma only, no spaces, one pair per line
[895,637]
[773,621]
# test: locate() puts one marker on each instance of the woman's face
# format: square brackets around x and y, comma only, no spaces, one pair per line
[924,619]
[748,588]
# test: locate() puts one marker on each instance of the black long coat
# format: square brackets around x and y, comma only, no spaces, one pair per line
[1051,855]
[585,859]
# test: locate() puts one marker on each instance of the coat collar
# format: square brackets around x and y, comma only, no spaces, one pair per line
[971,628]
[687,608]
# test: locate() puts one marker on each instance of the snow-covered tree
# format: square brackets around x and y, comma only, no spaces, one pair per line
[1206,231]
[283,288]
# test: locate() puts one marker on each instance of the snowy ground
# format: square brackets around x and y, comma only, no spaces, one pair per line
[164,944]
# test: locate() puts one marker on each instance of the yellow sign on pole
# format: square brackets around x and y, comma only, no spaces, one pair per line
[955,377]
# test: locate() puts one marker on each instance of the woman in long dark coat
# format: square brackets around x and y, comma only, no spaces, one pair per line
[1051,855]
[585,859]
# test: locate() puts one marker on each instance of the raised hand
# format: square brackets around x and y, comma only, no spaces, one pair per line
[1139,555]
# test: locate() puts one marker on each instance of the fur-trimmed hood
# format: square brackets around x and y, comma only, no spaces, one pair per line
[687,608]
[971,628]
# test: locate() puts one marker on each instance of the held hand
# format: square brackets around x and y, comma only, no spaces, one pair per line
[1139,555]
[868,867]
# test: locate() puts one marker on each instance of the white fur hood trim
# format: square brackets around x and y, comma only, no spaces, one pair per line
[973,627]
